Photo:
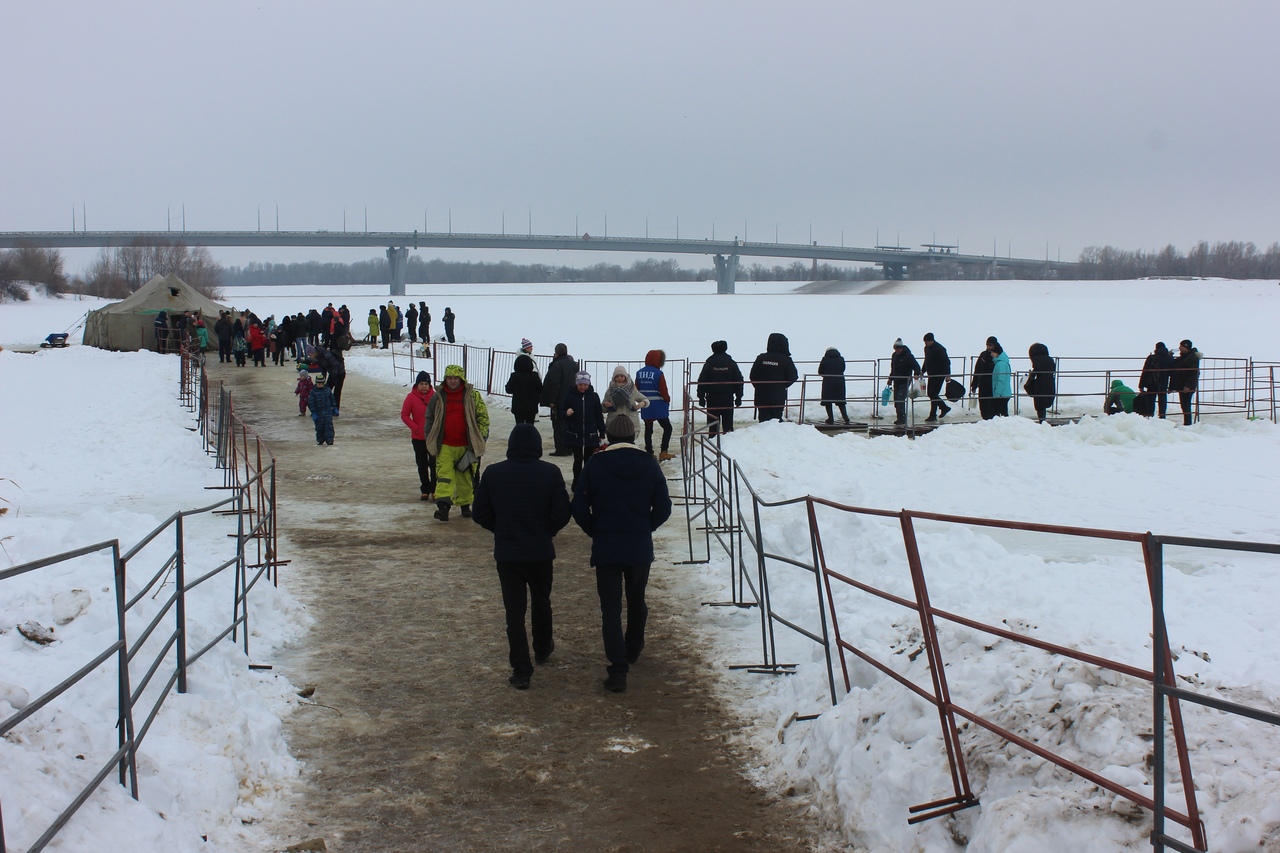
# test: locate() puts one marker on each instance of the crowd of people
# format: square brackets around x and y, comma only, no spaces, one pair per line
[618,494]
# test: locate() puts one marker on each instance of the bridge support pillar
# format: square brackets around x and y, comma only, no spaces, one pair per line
[397,259]
[726,273]
[894,271]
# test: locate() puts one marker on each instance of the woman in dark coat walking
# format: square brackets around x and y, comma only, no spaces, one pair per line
[834,392]
[384,326]
[1040,384]
[525,387]
[981,384]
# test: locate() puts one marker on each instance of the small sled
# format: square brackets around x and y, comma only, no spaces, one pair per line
[56,340]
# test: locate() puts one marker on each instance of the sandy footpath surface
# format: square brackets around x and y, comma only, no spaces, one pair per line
[418,742]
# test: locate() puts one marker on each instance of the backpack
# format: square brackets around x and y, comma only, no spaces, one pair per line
[342,342]
[954,390]
[1144,404]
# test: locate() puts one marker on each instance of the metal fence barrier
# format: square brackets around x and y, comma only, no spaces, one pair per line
[724,510]
[149,667]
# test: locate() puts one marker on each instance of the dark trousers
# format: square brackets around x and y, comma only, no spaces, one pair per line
[612,581]
[1184,401]
[666,434]
[769,413]
[335,385]
[557,430]
[386,338]
[900,389]
[1162,403]
[719,419]
[580,456]
[933,388]
[526,585]
[448,334]
[426,466]
[831,418]
[1000,407]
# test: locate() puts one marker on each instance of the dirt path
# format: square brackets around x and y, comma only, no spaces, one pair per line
[424,745]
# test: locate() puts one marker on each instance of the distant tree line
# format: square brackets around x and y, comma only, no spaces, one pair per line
[26,269]
[116,273]
[438,271]
[1221,260]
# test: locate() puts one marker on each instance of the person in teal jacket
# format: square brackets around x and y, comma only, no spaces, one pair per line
[1001,379]
[1119,399]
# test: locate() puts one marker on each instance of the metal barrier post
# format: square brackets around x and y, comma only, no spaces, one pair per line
[180,579]
[929,630]
[129,760]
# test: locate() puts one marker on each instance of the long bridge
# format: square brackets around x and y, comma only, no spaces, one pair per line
[898,262]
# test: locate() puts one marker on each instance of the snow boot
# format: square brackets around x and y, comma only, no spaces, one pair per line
[442,510]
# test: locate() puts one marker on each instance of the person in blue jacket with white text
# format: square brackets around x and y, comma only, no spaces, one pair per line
[652,384]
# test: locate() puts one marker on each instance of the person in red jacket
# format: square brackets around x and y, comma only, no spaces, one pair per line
[414,415]
[258,344]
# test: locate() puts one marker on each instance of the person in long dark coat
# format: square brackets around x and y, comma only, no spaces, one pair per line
[524,502]
[1041,385]
[720,388]
[937,366]
[525,387]
[449,317]
[411,323]
[834,391]
[559,380]
[981,384]
[771,375]
[903,367]
[223,331]
[315,325]
[424,323]
[384,326]
[1185,378]
[1154,379]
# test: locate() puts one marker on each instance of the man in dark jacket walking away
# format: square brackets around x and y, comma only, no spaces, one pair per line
[1185,378]
[524,502]
[720,388]
[1155,376]
[620,500]
[771,375]
[560,378]
[937,366]
[903,367]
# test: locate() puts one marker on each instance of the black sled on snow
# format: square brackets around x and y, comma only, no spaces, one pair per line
[55,341]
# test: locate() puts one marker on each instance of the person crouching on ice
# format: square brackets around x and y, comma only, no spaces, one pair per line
[457,426]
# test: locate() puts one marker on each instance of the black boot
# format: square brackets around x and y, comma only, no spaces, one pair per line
[442,510]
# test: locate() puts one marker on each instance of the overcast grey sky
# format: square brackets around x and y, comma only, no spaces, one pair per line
[1016,124]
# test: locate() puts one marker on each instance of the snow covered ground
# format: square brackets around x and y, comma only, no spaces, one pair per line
[68,417]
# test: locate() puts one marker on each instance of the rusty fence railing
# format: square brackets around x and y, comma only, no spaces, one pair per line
[156,640]
[771,544]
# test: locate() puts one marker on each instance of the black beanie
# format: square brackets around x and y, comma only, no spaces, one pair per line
[928,336]
[720,346]
[992,340]
[1187,344]
[423,376]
